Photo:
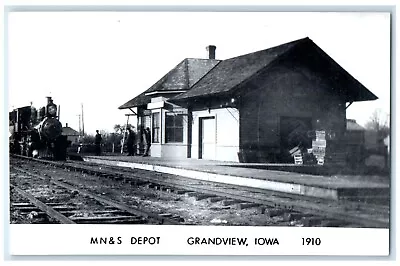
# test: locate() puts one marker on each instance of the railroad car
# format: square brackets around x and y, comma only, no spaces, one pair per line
[37,133]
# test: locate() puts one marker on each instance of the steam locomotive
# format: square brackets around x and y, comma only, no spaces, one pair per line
[37,133]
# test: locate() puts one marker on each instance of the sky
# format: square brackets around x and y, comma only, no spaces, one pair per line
[103,59]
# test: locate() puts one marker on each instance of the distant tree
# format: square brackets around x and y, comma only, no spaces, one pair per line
[114,138]
[121,129]
[118,128]
[88,139]
[379,121]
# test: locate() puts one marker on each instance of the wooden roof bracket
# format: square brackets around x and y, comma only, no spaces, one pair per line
[132,111]
[349,104]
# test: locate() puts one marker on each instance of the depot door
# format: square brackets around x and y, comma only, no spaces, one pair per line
[207,138]
[294,133]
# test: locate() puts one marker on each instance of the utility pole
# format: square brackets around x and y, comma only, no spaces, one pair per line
[80,130]
[83,123]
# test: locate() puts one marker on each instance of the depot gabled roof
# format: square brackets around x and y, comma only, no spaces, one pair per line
[229,75]
[195,78]
[180,79]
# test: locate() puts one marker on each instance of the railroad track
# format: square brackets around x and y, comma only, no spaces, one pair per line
[310,211]
[110,211]
[119,173]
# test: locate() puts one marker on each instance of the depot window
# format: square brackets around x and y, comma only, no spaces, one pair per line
[173,127]
[156,127]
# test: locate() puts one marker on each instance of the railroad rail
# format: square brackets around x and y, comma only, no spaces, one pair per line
[129,214]
[119,173]
[271,203]
[37,204]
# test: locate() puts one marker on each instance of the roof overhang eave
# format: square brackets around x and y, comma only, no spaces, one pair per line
[221,94]
[363,99]
[125,107]
[131,106]
[165,92]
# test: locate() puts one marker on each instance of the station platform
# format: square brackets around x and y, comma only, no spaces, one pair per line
[258,176]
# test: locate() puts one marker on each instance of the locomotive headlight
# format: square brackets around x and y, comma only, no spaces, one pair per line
[52,110]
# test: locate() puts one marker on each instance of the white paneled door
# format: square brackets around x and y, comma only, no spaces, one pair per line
[208,138]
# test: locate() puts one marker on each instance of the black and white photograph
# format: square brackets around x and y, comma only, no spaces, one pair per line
[199,122]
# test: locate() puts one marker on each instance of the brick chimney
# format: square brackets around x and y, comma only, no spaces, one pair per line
[211,51]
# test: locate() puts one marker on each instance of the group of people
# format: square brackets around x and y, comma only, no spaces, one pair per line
[132,141]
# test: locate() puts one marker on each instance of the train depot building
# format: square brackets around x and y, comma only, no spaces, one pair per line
[264,107]
[73,136]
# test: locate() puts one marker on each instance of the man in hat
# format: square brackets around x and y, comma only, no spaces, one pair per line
[131,142]
[147,136]
[97,142]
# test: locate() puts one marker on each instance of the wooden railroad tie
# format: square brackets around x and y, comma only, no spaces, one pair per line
[231,202]
[332,223]
[215,199]
[151,185]
[190,194]
[247,205]
[311,221]
[202,196]
[271,212]
[180,192]
[103,218]
[291,216]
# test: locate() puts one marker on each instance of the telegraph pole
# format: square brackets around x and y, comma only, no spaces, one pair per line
[80,130]
[83,123]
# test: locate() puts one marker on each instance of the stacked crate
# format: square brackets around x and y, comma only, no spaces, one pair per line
[319,146]
[296,154]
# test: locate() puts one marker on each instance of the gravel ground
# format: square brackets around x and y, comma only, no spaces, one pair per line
[193,211]
[199,212]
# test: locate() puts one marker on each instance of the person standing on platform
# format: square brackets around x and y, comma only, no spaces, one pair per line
[147,136]
[135,140]
[97,142]
[131,142]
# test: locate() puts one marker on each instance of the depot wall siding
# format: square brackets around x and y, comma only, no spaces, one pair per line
[155,150]
[292,91]
[176,150]
[227,133]
[170,150]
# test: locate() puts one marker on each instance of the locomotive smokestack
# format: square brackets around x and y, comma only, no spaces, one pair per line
[49,100]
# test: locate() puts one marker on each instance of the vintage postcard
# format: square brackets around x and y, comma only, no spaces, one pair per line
[136,132]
